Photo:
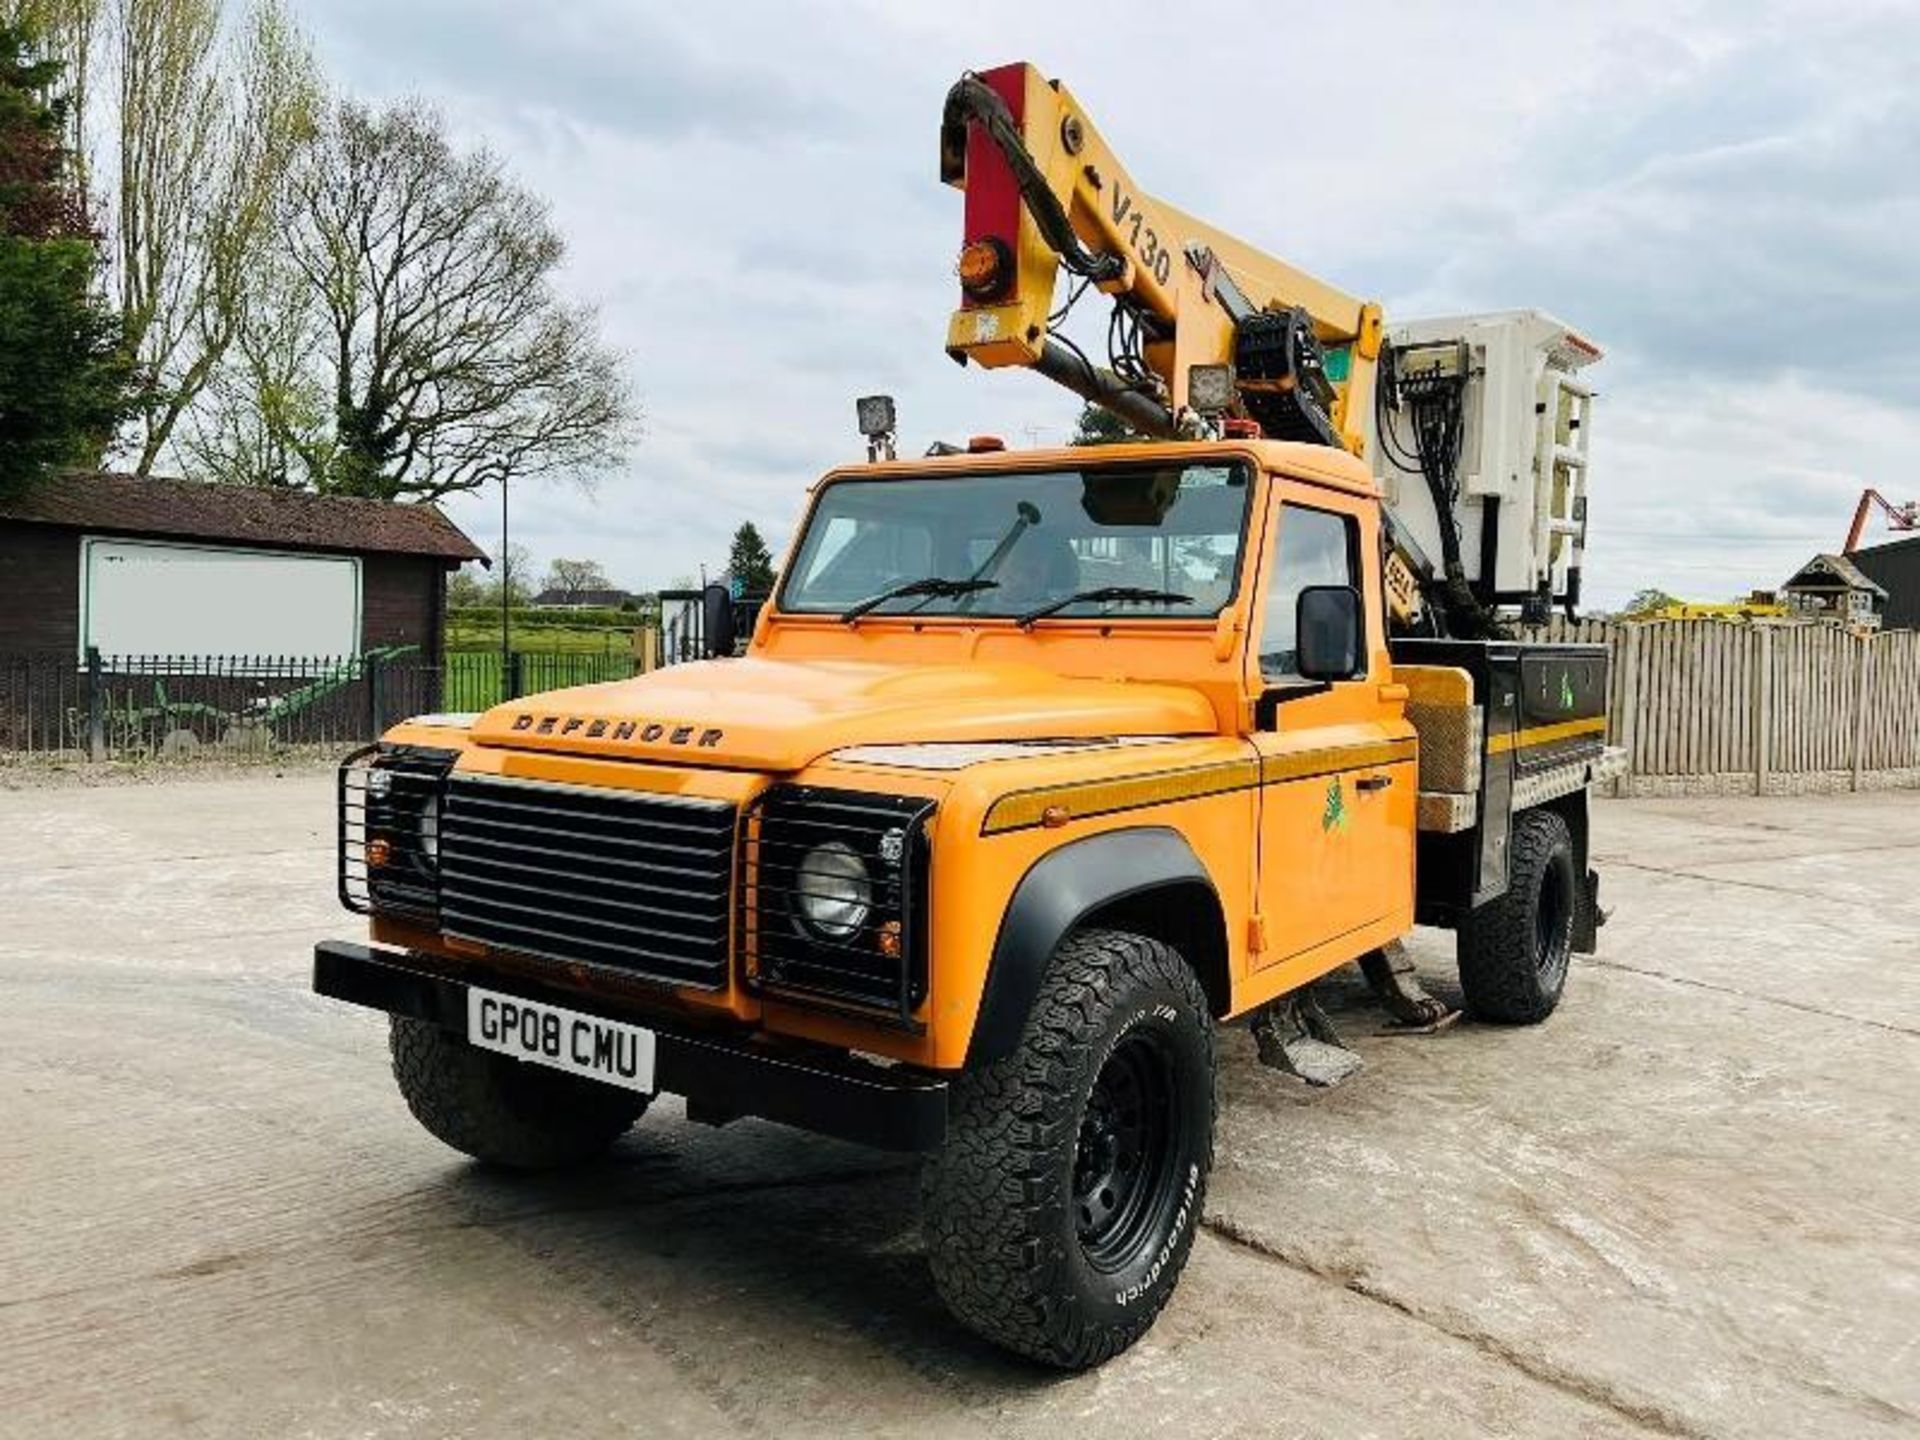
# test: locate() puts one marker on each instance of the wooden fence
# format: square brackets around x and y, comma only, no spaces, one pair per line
[1709,708]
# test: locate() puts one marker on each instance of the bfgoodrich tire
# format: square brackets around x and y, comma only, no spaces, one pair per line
[502,1110]
[1514,952]
[1061,1210]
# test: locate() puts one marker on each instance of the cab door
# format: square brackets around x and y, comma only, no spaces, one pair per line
[1338,761]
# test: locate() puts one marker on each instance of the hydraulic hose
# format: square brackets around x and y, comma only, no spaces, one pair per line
[972,99]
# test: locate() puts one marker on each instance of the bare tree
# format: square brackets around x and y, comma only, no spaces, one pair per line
[574,578]
[514,570]
[447,356]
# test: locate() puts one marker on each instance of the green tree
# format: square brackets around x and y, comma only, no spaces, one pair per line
[64,374]
[195,111]
[467,586]
[750,562]
[1100,426]
[1651,598]
[208,121]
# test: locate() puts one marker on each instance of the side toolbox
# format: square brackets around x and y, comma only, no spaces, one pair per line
[1509,724]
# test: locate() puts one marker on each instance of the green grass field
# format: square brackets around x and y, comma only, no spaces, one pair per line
[465,634]
[473,679]
[552,653]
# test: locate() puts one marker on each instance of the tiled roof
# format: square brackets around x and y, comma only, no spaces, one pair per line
[1840,568]
[131,505]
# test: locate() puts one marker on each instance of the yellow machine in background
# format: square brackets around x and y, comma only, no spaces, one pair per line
[1735,610]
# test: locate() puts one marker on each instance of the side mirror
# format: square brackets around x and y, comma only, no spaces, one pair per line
[716,622]
[1329,633]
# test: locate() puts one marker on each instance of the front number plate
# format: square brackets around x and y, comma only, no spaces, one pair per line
[608,1050]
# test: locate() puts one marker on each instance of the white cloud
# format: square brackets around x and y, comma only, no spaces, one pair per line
[1724,194]
[1732,486]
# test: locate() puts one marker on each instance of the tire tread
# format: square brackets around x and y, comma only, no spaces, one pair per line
[1496,943]
[501,1110]
[987,1198]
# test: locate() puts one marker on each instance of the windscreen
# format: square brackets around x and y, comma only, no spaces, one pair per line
[1019,543]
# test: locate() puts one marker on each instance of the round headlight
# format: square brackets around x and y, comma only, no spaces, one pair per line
[430,829]
[833,890]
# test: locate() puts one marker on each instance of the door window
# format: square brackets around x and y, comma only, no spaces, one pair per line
[1316,547]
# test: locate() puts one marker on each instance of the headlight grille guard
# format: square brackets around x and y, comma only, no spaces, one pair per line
[407,884]
[879,972]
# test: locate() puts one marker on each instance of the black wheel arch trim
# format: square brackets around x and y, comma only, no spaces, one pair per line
[1059,891]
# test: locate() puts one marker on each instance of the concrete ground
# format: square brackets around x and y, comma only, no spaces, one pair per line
[1689,1205]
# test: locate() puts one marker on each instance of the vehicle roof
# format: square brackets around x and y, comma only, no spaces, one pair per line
[1322,464]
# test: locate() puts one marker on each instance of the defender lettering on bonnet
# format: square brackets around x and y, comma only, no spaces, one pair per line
[648,730]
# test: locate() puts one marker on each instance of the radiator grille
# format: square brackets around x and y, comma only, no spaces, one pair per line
[634,883]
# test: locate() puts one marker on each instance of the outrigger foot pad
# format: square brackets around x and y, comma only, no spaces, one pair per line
[1295,1036]
[1390,974]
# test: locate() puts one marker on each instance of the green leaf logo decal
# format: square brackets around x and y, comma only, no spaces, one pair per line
[1334,817]
[1566,690]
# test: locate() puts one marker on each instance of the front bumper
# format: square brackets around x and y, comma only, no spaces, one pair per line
[887,1107]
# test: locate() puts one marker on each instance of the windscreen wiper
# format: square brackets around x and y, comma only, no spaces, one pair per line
[1106,593]
[933,586]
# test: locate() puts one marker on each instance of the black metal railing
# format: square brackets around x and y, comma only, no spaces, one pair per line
[103,706]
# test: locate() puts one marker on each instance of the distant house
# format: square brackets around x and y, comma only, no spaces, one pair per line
[1895,567]
[1833,587]
[582,599]
[135,566]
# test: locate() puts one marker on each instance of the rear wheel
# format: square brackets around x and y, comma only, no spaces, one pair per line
[1060,1213]
[1515,951]
[502,1110]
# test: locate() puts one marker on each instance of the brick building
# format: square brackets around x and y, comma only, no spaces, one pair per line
[175,567]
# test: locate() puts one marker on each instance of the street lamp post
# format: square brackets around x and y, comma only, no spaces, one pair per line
[506,599]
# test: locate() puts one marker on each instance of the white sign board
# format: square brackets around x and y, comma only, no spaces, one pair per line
[140,597]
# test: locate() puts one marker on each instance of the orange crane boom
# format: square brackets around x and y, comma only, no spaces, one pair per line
[1899,517]
[1045,193]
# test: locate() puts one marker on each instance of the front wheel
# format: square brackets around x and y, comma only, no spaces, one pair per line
[1062,1208]
[1514,951]
[502,1110]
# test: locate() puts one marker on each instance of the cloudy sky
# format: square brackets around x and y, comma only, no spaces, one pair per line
[1727,196]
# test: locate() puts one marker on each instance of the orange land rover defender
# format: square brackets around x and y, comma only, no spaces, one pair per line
[1038,770]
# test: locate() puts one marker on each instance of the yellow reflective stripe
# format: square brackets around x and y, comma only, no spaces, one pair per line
[1308,763]
[1024,809]
[1546,734]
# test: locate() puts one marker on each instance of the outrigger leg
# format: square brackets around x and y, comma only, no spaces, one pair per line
[1390,973]
[1295,1036]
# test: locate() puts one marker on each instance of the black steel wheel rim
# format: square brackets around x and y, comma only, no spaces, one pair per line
[1124,1164]
[1552,922]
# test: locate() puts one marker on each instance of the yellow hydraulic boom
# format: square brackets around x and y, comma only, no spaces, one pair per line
[1044,192]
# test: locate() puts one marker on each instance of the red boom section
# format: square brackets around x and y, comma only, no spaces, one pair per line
[993,199]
